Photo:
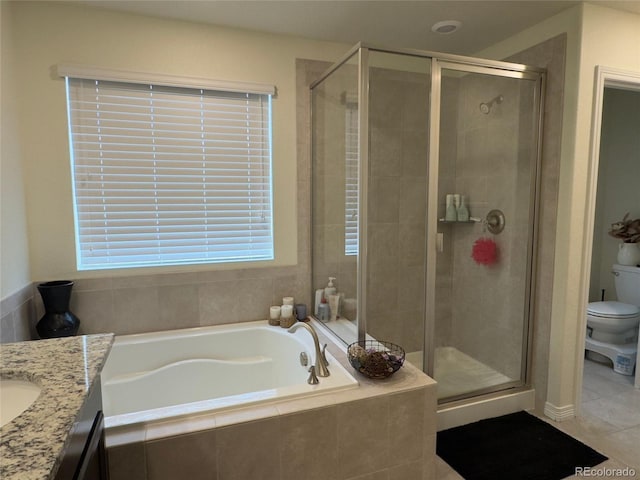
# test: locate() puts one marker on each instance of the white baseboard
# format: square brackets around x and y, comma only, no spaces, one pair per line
[559,414]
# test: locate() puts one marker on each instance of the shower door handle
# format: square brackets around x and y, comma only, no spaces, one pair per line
[440,242]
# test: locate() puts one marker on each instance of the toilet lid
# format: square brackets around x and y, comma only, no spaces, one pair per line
[612,309]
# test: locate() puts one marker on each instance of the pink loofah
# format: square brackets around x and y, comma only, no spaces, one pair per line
[485,251]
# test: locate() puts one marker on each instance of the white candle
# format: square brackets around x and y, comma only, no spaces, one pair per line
[274,312]
[287,311]
[287,300]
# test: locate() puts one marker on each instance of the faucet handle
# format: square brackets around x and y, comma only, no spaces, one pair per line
[324,355]
[313,378]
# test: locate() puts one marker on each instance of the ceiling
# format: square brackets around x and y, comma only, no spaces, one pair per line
[389,23]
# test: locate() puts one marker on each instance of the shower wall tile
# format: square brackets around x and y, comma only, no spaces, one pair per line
[382,293]
[386,325]
[412,329]
[383,247]
[413,196]
[415,152]
[415,108]
[385,192]
[385,153]
[385,101]
[412,241]
[399,153]
[411,286]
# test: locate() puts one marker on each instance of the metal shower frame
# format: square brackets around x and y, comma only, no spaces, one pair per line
[463,64]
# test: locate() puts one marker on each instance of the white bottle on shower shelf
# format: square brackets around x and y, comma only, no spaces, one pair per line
[330,289]
[451,214]
[463,211]
[319,294]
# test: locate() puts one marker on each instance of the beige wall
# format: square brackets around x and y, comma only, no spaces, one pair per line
[595,36]
[14,273]
[45,34]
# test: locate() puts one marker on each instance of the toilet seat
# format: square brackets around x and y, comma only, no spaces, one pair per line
[612,310]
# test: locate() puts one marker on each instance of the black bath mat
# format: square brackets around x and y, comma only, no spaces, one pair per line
[518,446]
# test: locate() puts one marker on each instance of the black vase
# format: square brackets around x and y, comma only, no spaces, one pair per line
[57,321]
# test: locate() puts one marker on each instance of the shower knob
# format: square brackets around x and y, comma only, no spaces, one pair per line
[495,221]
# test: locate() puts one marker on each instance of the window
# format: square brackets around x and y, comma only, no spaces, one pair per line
[351,175]
[169,175]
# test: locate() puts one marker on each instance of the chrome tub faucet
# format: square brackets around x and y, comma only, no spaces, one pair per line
[321,364]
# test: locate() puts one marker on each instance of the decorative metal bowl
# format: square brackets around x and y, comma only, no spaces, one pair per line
[375,358]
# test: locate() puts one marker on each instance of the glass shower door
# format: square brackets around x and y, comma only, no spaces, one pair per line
[335,160]
[482,237]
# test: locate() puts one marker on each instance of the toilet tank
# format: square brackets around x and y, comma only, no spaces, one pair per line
[627,281]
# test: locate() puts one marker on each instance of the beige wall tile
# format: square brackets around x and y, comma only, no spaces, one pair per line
[218,302]
[254,299]
[406,415]
[24,321]
[135,310]
[408,470]
[7,331]
[309,444]
[250,451]
[381,475]
[95,309]
[190,456]
[127,462]
[361,425]
[178,306]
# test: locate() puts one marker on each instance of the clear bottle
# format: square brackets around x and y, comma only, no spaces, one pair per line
[451,215]
[463,211]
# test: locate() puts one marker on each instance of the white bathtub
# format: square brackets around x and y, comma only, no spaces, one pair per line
[155,376]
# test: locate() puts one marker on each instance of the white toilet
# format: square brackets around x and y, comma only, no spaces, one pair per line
[612,327]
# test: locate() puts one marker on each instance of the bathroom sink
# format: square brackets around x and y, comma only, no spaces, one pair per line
[15,397]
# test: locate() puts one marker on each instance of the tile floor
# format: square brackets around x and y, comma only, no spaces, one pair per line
[609,422]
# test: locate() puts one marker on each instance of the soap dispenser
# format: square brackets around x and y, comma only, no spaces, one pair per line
[330,289]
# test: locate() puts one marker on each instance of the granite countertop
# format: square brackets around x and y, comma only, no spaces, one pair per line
[65,368]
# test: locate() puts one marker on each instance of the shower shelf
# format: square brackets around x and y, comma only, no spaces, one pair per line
[442,220]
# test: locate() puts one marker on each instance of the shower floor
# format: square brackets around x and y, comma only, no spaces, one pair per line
[457,373]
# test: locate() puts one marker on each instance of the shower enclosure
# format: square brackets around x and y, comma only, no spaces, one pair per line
[424,180]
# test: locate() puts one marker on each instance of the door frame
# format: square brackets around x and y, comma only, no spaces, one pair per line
[605,77]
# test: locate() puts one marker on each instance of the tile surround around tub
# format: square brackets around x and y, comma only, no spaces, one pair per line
[342,441]
[126,305]
[17,316]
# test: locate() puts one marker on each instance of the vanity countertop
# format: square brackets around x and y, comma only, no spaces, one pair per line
[31,446]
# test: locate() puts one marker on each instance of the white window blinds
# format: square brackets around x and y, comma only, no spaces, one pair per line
[165,175]
[351,175]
